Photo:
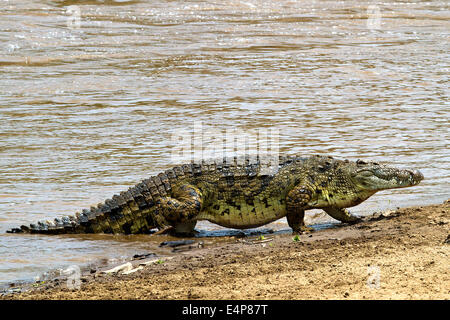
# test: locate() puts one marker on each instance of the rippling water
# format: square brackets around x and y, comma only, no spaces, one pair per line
[91,91]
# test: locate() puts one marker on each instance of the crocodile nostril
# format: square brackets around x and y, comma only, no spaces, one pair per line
[416,175]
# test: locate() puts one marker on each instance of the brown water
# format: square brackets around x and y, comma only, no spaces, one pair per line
[88,110]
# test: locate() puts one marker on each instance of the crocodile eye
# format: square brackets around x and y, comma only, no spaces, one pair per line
[360,162]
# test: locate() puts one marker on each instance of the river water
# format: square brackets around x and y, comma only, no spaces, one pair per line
[91,93]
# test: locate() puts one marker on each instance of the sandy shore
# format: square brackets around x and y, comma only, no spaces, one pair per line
[402,254]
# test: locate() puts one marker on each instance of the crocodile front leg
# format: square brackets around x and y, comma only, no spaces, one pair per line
[179,210]
[342,215]
[296,201]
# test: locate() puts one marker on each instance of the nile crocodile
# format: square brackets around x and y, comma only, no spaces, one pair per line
[235,194]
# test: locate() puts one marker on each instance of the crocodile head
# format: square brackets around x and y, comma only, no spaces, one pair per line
[371,176]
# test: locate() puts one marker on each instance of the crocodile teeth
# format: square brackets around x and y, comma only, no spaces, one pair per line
[50,224]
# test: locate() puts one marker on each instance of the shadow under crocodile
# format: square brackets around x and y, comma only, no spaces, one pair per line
[200,233]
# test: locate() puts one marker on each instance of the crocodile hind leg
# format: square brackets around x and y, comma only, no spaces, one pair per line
[342,215]
[296,201]
[296,221]
[179,210]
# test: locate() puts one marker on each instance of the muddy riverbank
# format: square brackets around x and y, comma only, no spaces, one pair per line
[401,254]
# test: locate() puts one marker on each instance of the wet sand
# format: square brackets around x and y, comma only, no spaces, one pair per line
[402,254]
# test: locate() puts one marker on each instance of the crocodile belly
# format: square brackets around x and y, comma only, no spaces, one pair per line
[241,215]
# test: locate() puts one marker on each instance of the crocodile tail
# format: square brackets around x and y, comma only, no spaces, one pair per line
[129,212]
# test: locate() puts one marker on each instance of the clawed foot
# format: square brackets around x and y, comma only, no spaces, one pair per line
[354,220]
[164,230]
[302,229]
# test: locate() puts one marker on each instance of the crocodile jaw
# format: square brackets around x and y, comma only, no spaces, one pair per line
[377,178]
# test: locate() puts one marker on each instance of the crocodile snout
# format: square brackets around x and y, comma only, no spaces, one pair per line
[416,176]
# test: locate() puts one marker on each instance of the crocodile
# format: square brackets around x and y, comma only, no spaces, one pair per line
[235,194]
